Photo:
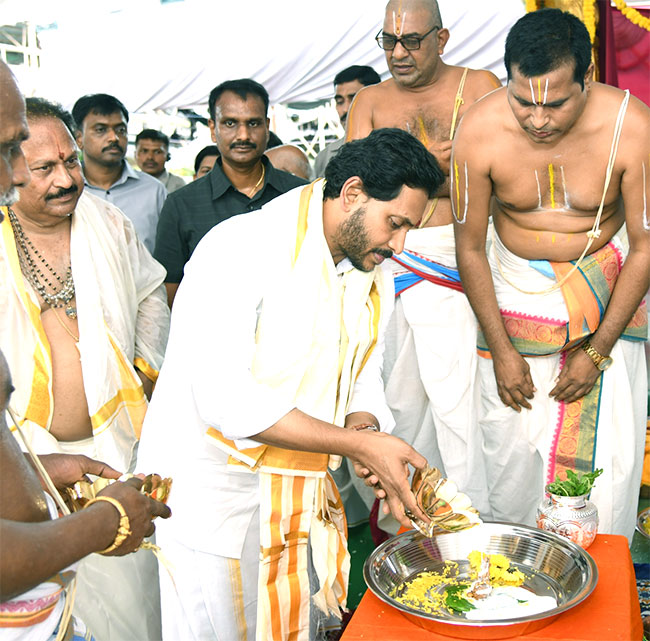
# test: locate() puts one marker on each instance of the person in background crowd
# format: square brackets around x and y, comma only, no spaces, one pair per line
[204,161]
[151,154]
[291,159]
[346,85]
[242,179]
[101,134]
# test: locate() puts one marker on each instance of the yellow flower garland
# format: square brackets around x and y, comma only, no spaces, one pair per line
[633,15]
[531,5]
[589,18]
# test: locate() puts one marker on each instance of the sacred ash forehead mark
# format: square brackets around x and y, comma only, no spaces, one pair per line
[540,100]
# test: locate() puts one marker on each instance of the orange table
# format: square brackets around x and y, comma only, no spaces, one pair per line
[610,613]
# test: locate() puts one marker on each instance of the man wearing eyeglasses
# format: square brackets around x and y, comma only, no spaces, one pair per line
[432,350]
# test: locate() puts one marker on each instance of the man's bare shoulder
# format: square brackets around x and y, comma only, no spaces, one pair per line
[637,115]
[488,115]
[481,82]
[606,100]
[374,93]
[603,106]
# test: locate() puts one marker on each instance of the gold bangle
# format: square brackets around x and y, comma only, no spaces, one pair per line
[124,529]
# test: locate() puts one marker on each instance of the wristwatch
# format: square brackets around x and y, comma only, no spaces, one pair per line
[600,361]
[363,427]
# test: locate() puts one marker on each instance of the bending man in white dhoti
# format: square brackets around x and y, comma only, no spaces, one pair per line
[276,345]
[84,328]
[558,302]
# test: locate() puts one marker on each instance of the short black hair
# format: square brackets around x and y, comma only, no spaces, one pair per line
[385,161]
[365,75]
[99,103]
[38,108]
[242,87]
[210,150]
[542,41]
[153,134]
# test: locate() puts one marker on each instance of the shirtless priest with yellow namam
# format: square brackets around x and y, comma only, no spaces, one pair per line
[558,295]
[84,328]
[430,366]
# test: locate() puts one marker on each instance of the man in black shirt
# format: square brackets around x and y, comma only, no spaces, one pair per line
[242,179]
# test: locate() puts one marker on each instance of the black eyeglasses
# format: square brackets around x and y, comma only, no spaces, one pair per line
[410,43]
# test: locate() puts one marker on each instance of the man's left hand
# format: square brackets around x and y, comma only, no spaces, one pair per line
[576,379]
[66,469]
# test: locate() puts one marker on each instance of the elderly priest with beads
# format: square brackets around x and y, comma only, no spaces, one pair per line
[84,328]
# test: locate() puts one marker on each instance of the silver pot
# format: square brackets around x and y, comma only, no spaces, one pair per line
[573,517]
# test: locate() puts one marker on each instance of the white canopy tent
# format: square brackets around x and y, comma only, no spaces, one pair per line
[166,56]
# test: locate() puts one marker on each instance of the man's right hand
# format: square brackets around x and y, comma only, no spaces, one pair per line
[140,509]
[383,460]
[514,382]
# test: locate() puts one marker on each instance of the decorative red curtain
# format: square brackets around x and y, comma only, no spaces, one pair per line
[624,52]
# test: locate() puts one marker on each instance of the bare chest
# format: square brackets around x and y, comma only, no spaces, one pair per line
[428,119]
[573,180]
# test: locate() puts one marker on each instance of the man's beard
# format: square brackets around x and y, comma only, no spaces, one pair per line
[9,197]
[352,237]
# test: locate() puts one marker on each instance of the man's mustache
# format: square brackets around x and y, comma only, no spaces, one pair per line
[243,145]
[113,145]
[62,192]
[386,253]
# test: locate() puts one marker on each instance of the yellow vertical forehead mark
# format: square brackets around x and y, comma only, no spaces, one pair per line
[551,181]
[539,90]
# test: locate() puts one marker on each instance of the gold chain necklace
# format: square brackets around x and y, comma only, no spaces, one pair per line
[65,327]
[258,183]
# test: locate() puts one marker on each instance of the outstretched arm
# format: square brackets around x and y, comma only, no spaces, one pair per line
[385,456]
[33,552]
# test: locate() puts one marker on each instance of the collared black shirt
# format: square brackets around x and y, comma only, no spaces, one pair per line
[192,211]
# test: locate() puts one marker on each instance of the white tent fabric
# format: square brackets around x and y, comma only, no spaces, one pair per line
[165,56]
